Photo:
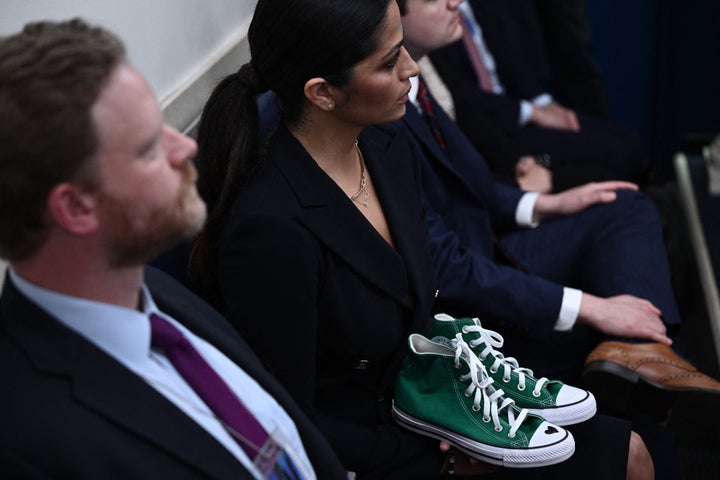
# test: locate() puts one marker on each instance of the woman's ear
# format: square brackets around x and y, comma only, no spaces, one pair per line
[72,209]
[320,94]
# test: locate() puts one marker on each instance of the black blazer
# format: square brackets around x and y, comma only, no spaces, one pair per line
[599,151]
[327,302]
[69,410]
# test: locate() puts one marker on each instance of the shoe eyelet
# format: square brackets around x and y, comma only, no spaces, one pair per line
[521,388]
[512,435]
[506,379]
[464,329]
[535,394]
[493,370]
[476,408]
[466,394]
[486,419]
[498,429]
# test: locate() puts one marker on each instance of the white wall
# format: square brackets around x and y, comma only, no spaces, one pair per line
[182,46]
[175,43]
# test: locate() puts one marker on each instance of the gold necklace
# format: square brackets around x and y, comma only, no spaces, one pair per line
[363,180]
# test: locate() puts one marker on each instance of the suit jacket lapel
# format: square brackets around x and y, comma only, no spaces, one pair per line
[414,121]
[400,194]
[97,379]
[326,211]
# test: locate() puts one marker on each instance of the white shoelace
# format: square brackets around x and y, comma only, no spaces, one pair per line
[485,395]
[493,340]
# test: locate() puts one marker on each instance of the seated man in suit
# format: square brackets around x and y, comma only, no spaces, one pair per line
[554,41]
[557,273]
[487,81]
[110,370]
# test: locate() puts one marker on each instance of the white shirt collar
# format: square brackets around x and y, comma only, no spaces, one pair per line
[414,86]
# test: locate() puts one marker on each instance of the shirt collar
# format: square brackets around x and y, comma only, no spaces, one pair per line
[414,86]
[121,332]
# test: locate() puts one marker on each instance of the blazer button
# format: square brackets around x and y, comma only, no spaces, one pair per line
[362,365]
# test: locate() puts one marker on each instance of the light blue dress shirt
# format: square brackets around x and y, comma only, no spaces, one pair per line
[124,334]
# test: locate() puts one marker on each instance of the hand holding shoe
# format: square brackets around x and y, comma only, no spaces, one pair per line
[457,464]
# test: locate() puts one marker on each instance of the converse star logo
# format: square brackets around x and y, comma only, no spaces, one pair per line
[550,430]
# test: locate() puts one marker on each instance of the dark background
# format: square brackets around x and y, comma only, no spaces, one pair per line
[661,64]
[659,60]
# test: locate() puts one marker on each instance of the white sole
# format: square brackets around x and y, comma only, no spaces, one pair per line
[581,411]
[507,457]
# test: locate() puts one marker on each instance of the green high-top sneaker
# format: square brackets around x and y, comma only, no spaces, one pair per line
[445,393]
[556,402]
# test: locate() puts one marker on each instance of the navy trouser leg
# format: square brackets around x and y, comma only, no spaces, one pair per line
[606,250]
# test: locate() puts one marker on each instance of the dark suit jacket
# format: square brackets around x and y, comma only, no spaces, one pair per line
[454,67]
[601,150]
[327,302]
[71,411]
[465,210]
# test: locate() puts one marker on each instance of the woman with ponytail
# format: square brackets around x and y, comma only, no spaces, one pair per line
[315,247]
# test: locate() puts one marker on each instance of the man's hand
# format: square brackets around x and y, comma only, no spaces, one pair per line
[533,177]
[554,115]
[578,199]
[623,316]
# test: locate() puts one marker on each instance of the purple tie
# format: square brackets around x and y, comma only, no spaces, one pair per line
[269,457]
[212,389]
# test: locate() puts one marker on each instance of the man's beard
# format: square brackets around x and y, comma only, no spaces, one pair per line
[139,233]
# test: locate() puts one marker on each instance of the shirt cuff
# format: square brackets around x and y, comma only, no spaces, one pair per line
[526,109]
[569,309]
[524,210]
[542,100]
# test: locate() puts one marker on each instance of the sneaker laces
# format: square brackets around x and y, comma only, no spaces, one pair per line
[491,399]
[492,340]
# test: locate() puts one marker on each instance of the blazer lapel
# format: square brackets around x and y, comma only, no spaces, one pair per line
[398,185]
[107,388]
[327,212]
[414,121]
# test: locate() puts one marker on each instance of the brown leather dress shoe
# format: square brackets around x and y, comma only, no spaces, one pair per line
[646,377]
[654,363]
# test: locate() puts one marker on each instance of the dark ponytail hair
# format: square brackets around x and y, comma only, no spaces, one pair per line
[291,41]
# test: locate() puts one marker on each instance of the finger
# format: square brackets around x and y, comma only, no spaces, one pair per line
[604,197]
[444,446]
[660,337]
[647,304]
[653,308]
[615,185]
[574,121]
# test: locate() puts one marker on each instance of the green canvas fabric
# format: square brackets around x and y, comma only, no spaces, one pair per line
[445,393]
[505,372]
[430,389]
